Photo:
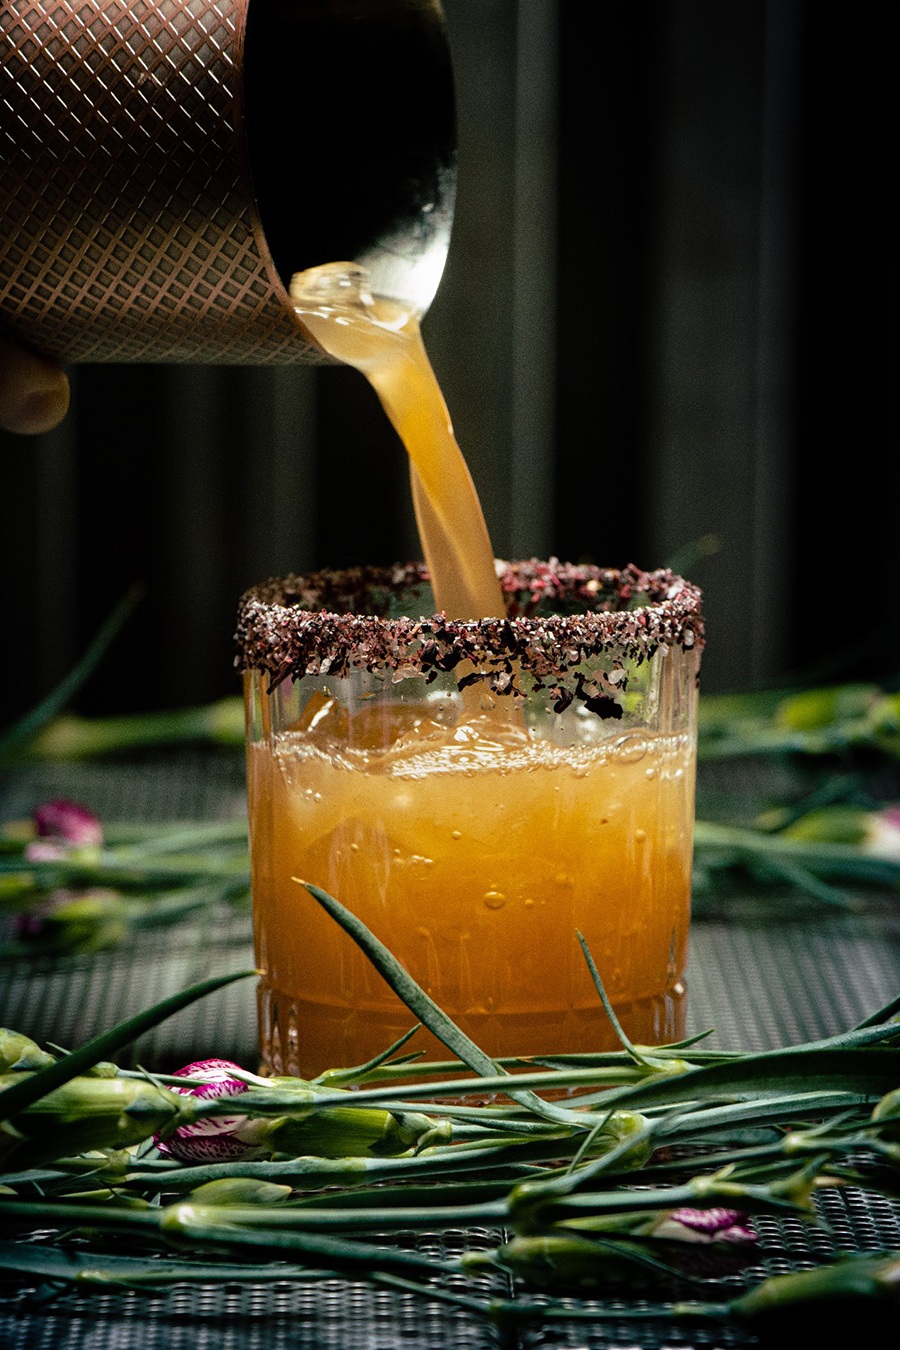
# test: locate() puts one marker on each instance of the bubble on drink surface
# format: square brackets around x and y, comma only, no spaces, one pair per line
[494,899]
[632,748]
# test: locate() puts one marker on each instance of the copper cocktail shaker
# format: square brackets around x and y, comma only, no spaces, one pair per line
[168,166]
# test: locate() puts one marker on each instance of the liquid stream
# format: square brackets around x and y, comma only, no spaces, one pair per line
[384,342]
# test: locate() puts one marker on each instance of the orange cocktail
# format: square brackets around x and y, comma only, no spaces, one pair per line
[477,832]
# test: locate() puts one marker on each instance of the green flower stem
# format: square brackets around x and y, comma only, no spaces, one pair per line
[620,1066]
[703,1192]
[208,1227]
[738,741]
[159,910]
[733,843]
[71,737]
[829,1066]
[393,1218]
[695,1125]
[427,1011]
[110,870]
[868,1073]
[117,1272]
[407,1094]
[783,869]
[175,838]
[308,1173]
[413,1195]
[517,1208]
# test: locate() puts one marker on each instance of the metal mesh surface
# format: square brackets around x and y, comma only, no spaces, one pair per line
[759,982]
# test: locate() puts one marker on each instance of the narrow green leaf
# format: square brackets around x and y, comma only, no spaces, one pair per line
[885,1014]
[781,869]
[607,1005]
[17,736]
[870,1072]
[334,1077]
[422,1006]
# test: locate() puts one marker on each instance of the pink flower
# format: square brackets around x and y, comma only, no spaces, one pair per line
[217,1138]
[44,850]
[883,836]
[67,920]
[62,826]
[705,1225]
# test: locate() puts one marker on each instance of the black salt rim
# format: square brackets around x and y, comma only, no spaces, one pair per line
[332,623]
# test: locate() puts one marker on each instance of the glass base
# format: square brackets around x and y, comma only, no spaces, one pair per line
[304,1038]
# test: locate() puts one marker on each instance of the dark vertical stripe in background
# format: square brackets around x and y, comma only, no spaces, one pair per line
[670,312]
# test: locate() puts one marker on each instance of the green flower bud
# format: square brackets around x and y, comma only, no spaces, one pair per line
[852,1280]
[19,1054]
[888,1109]
[622,1126]
[74,921]
[885,723]
[346,1132]
[238,1191]
[831,825]
[554,1261]
[85,1114]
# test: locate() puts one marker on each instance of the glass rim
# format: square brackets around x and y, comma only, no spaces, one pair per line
[335,622]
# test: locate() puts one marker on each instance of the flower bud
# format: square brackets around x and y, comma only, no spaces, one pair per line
[67,822]
[83,1115]
[883,834]
[74,921]
[703,1225]
[888,1109]
[19,1054]
[836,824]
[559,1261]
[214,1138]
[238,1191]
[853,1280]
[351,1132]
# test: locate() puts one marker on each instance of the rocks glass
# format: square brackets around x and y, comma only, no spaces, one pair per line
[479,794]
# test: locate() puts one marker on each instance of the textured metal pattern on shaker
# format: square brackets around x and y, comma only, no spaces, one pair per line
[128,229]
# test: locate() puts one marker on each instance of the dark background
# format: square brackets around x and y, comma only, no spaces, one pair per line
[667,331]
